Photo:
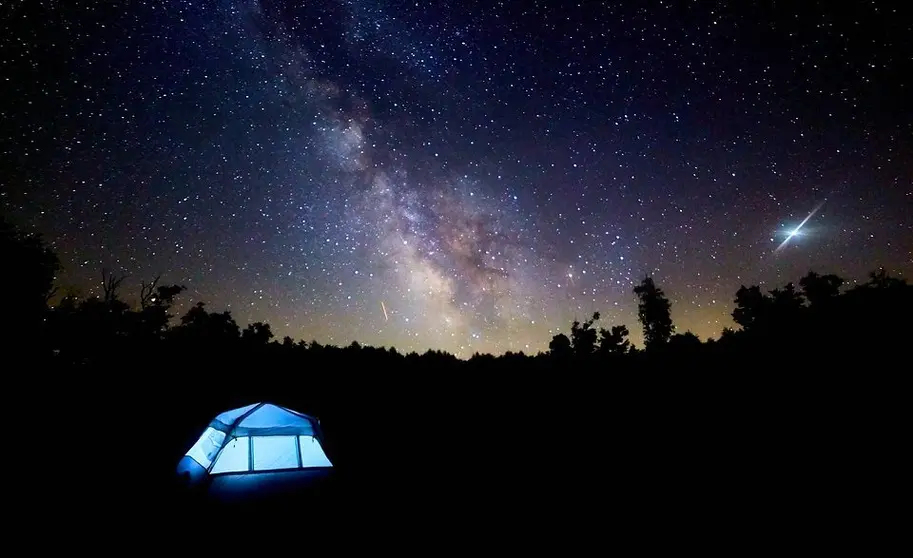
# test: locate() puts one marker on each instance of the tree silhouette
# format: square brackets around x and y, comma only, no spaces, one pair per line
[820,289]
[655,314]
[560,346]
[752,307]
[759,312]
[614,342]
[257,333]
[165,295]
[27,279]
[110,284]
[207,328]
[147,292]
[787,302]
[155,305]
[881,279]
[682,343]
[583,337]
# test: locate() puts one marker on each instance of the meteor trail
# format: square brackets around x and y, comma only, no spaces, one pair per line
[796,231]
[384,308]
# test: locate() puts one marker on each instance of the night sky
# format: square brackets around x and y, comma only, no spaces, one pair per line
[465,176]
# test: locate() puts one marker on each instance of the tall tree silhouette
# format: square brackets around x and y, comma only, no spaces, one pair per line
[752,307]
[27,279]
[655,313]
[155,305]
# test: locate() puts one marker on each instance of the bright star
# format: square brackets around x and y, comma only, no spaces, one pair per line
[798,230]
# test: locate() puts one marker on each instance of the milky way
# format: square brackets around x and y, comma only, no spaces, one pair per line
[466,177]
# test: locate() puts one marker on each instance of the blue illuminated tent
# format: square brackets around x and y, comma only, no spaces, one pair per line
[240,445]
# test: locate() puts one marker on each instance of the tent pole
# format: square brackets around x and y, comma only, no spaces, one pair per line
[229,437]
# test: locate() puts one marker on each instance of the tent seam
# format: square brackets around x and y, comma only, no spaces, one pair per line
[229,437]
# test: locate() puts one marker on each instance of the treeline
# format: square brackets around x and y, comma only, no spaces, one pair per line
[819,318]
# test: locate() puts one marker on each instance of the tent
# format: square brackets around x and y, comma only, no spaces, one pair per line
[243,444]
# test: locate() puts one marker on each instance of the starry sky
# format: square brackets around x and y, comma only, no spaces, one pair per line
[465,176]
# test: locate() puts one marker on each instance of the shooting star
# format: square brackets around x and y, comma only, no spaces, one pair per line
[384,308]
[798,229]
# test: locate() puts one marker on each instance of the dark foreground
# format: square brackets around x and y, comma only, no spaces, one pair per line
[579,458]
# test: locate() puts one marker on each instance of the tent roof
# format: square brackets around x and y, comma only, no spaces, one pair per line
[264,419]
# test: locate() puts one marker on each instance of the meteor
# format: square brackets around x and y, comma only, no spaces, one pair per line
[384,308]
[798,229]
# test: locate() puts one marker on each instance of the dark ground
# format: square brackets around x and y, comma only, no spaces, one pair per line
[577,459]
